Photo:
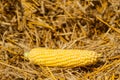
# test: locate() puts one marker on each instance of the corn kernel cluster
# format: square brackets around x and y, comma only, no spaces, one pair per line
[62,57]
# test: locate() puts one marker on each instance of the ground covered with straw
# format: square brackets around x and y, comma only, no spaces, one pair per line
[66,24]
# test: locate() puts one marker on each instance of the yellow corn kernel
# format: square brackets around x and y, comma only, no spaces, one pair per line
[62,57]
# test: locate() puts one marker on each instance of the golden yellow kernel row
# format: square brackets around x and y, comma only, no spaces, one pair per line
[62,57]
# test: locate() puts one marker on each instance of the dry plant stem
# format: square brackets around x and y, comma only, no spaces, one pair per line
[40,24]
[21,46]
[52,75]
[21,70]
[103,68]
[106,33]
[9,50]
[108,25]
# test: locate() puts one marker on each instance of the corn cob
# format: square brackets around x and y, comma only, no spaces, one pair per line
[62,58]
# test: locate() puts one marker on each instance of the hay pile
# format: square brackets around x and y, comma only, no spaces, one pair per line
[79,24]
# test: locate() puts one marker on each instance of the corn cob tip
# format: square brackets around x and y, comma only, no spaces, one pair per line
[26,54]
